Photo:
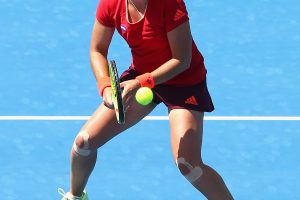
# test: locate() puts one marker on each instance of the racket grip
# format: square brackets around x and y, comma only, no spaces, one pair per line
[146,80]
[103,83]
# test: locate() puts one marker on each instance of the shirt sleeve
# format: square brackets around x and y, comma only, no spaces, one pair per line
[104,14]
[175,14]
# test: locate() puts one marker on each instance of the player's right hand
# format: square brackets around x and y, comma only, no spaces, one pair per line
[107,100]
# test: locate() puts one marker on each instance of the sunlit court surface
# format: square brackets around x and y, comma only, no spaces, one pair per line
[48,91]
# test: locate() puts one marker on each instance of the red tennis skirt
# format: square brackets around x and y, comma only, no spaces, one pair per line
[194,97]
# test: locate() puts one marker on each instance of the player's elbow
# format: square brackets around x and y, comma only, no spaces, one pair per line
[185,57]
[186,60]
[96,50]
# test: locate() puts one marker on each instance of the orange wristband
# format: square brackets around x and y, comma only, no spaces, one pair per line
[102,84]
[146,80]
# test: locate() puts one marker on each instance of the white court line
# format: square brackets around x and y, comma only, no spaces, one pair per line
[208,118]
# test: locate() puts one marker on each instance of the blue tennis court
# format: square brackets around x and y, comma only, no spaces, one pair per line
[252,56]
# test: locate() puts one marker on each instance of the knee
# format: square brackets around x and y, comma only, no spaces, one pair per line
[191,173]
[82,145]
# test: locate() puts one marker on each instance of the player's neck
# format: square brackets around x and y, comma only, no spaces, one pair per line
[140,5]
[136,9]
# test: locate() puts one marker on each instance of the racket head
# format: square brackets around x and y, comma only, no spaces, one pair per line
[116,92]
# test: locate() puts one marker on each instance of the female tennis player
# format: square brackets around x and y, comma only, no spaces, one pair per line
[164,58]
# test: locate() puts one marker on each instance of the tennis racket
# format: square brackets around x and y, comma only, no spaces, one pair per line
[116,92]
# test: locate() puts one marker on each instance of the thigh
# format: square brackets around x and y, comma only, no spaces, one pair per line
[186,134]
[102,126]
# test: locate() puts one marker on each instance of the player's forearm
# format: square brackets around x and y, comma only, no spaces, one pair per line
[170,69]
[99,65]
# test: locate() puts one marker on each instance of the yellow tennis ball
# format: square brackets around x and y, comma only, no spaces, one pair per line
[144,96]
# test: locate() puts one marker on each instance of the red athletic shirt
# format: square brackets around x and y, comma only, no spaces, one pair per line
[147,38]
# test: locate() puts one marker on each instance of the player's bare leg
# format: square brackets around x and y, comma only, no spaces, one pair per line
[98,130]
[186,139]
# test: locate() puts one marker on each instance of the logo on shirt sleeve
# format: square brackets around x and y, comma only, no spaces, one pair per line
[179,14]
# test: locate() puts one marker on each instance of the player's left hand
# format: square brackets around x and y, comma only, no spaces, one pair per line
[129,89]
